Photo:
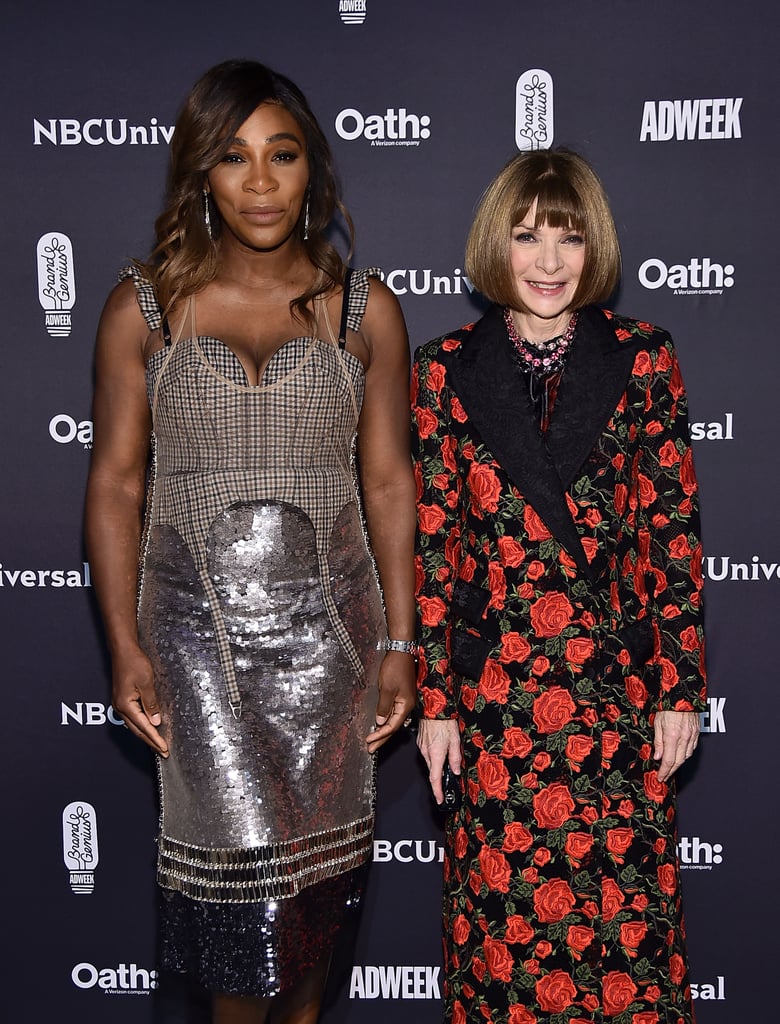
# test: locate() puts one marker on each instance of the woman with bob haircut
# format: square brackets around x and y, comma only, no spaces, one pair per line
[559,598]
[238,369]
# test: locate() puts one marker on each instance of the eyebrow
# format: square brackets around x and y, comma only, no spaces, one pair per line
[238,141]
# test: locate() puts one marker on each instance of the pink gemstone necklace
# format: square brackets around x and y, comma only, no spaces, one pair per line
[540,359]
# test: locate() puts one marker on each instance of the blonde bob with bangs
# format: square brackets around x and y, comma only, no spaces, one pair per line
[568,194]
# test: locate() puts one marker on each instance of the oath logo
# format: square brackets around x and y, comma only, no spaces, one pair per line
[352,12]
[697,277]
[56,282]
[714,718]
[697,855]
[54,578]
[88,713]
[425,282]
[712,990]
[394,983]
[393,128]
[721,567]
[95,131]
[80,845]
[534,125]
[64,429]
[122,980]
[686,120]
[408,851]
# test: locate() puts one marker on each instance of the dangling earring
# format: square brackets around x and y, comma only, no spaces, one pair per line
[207,213]
[306,221]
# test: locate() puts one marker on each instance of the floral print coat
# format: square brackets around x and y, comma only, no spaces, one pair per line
[559,593]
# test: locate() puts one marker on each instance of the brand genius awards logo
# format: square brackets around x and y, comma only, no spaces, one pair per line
[352,12]
[56,282]
[534,110]
[80,845]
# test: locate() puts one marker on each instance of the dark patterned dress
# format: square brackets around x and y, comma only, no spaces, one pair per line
[260,611]
[559,581]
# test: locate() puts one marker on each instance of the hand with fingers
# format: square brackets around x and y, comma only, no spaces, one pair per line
[397,697]
[439,743]
[135,698]
[676,738]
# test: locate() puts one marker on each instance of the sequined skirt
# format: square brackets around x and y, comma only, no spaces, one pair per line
[261,807]
[258,949]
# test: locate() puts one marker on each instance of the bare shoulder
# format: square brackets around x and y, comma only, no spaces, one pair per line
[383,322]
[122,323]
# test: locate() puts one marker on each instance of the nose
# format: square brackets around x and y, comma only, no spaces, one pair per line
[549,258]
[260,178]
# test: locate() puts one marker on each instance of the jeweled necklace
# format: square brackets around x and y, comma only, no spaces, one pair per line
[538,359]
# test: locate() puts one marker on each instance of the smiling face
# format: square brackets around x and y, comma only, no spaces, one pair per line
[546,264]
[259,186]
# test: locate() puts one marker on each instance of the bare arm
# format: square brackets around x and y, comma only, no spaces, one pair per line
[388,497]
[115,496]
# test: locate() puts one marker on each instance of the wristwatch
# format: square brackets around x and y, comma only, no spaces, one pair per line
[403,646]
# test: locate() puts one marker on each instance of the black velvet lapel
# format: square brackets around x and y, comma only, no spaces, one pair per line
[593,383]
[495,396]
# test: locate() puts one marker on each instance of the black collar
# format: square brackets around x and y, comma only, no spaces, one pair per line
[495,396]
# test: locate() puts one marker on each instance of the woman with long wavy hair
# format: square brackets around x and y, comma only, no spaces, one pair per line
[239,370]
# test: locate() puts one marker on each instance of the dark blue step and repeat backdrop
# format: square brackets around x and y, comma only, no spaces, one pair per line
[676,106]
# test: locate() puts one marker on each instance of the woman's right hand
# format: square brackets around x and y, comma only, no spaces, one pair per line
[135,698]
[439,741]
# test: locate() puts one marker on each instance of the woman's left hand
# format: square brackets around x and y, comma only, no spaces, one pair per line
[676,737]
[397,697]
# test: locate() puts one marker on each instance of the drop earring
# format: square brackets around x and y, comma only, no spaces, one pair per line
[306,221]
[207,213]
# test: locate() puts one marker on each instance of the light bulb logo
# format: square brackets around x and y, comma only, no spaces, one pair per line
[56,282]
[352,12]
[534,110]
[80,845]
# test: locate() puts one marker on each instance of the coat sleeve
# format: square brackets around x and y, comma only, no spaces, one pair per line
[670,534]
[438,548]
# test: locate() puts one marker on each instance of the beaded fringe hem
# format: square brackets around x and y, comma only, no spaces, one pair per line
[274,872]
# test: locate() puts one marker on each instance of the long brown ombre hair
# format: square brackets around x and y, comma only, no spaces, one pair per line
[184,259]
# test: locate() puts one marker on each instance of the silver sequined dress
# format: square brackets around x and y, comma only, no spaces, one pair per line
[260,612]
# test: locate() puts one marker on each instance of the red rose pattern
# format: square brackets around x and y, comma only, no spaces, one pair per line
[534,861]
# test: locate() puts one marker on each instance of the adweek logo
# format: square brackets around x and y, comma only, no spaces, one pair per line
[714,718]
[696,855]
[80,845]
[64,429]
[722,567]
[122,980]
[97,131]
[534,121]
[56,282]
[387,982]
[352,12]
[700,276]
[689,120]
[54,578]
[396,127]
